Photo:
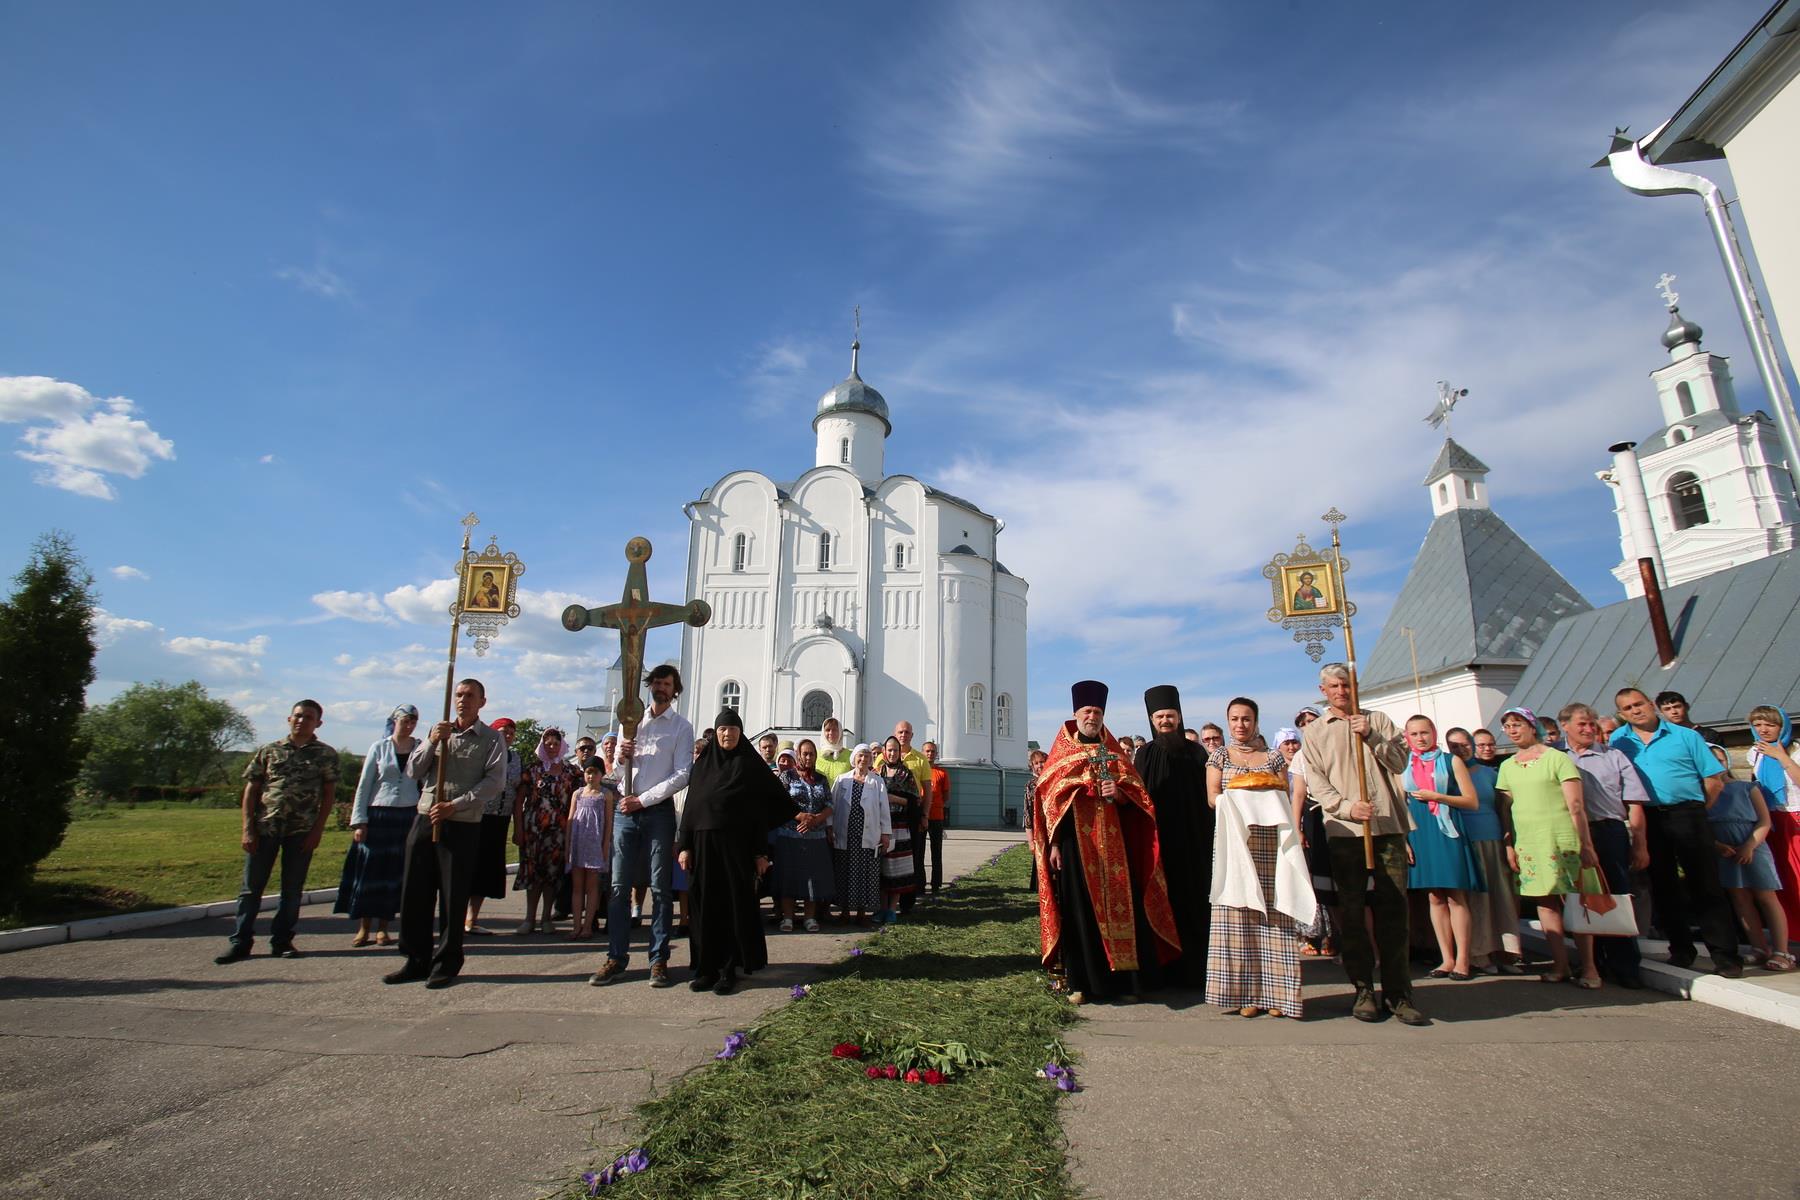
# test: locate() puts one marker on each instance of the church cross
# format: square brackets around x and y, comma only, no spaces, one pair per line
[1101,759]
[1669,294]
[633,616]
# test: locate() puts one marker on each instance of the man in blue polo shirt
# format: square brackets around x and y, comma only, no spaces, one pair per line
[1681,778]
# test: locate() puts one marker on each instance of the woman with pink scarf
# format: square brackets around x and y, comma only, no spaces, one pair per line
[540,827]
[1444,865]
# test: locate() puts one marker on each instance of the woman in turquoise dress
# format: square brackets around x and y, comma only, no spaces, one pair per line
[1545,817]
[1438,790]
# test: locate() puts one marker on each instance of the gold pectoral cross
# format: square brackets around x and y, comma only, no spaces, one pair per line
[633,616]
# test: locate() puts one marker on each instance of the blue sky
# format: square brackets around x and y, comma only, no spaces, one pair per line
[287,292]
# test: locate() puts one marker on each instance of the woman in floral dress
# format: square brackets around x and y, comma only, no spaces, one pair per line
[540,827]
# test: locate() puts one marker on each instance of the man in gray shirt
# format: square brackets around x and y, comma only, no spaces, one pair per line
[1615,799]
[474,773]
[662,755]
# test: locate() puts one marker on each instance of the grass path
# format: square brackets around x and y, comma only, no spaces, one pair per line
[784,1118]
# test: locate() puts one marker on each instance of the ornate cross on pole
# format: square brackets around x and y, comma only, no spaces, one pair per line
[1100,760]
[634,615]
[1667,286]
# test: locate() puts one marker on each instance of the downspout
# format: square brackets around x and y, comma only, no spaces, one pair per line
[994,647]
[1630,478]
[1638,174]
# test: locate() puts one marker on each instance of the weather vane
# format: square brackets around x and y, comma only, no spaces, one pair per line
[1447,398]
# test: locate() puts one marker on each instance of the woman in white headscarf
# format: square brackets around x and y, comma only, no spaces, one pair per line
[860,833]
[387,800]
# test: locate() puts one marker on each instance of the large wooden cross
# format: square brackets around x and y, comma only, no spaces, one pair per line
[634,615]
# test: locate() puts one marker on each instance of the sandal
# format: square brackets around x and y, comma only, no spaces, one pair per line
[1592,985]
[1308,950]
[1547,977]
[812,925]
[382,939]
[1249,1010]
[1778,963]
[361,939]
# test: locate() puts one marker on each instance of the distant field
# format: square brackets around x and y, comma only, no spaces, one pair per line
[118,859]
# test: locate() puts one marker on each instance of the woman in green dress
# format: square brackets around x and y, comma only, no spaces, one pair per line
[1545,818]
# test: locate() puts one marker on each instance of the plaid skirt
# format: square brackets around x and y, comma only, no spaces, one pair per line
[1253,959]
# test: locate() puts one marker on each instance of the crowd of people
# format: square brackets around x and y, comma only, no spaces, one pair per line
[617,830]
[1221,858]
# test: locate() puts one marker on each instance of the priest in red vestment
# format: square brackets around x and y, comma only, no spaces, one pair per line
[1102,904]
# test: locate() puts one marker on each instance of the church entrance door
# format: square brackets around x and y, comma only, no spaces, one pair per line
[814,708]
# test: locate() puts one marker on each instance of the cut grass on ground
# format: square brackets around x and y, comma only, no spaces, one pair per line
[118,859]
[784,1118]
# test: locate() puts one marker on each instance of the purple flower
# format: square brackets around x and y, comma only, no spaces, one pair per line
[1065,1082]
[592,1180]
[637,1160]
[856,951]
[733,1043]
[1052,1071]
[799,991]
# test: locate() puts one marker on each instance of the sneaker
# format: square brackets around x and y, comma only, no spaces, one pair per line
[1366,1008]
[237,953]
[787,925]
[659,975]
[609,970]
[288,951]
[1405,1013]
[404,975]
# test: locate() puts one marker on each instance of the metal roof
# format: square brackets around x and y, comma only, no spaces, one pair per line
[1761,63]
[1701,424]
[1737,645]
[1453,457]
[1476,595]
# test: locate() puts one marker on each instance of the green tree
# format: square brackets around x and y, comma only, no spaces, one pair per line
[155,734]
[46,664]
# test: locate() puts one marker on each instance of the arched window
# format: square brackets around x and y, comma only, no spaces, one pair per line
[740,552]
[844,450]
[1003,715]
[731,695]
[1684,397]
[1469,488]
[977,708]
[899,556]
[1443,493]
[815,707]
[825,551]
[1687,502]
[1678,436]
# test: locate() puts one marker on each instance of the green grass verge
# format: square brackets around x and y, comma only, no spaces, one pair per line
[786,1119]
[118,859]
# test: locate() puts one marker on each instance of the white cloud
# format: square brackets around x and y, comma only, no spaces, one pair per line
[352,606]
[110,629]
[77,438]
[561,672]
[125,572]
[232,659]
[318,280]
[428,605]
[266,459]
[1008,101]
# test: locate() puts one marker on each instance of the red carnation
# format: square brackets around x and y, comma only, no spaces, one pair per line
[873,1072]
[934,1077]
[846,1050]
[912,1076]
[891,1071]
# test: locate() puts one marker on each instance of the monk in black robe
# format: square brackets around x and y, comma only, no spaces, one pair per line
[733,801]
[1174,771]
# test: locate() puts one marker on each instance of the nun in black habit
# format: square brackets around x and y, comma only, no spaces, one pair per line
[1174,774]
[733,801]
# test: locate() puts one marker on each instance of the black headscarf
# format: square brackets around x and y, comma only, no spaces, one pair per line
[734,789]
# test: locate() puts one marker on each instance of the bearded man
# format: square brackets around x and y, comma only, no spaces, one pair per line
[1102,904]
[1174,773]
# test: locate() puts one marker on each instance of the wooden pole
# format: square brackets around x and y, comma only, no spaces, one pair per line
[1362,779]
[437,791]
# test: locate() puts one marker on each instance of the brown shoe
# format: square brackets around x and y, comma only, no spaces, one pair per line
[609,970]
[659,975]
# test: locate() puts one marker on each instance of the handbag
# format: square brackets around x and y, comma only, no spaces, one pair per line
[1596,911]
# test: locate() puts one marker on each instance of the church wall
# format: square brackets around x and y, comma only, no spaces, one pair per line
[966,596]
[1010,671]
[1466,697]
[867,444]
[1766,172]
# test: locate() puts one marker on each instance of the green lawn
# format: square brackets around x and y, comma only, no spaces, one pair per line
[119,859]
[786,1119]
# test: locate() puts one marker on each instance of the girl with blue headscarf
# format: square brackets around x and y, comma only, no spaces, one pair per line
[1778,775]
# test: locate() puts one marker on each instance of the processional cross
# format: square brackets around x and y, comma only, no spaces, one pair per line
[633,616]
[1100,760]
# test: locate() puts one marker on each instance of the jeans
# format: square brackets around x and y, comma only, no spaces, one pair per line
[436,884]
[258,863]
[1684,872]
[648,831]
[1388,900]
[1615,956]
[935,836]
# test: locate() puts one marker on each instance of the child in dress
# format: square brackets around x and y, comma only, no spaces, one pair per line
[1740,826]
[590,845]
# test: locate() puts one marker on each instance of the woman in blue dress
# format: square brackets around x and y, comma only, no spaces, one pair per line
[803,866]
[1438,789]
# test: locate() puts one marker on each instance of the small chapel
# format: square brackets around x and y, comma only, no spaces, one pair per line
[848,592]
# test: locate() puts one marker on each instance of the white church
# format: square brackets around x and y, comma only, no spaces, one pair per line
[864,596]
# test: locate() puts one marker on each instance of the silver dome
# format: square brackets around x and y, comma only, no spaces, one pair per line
[854,396]
[1680,330]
